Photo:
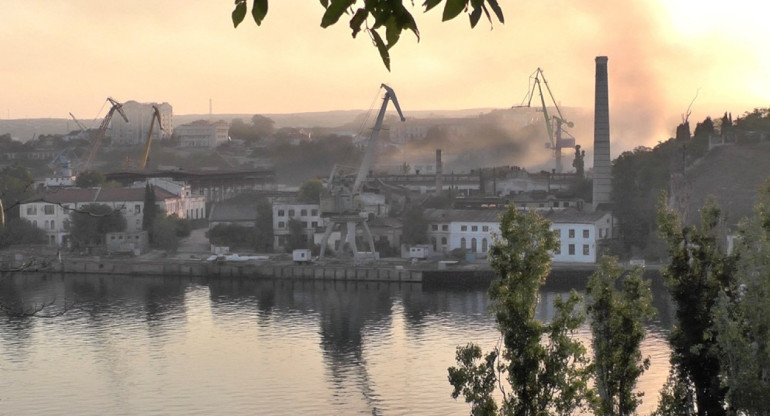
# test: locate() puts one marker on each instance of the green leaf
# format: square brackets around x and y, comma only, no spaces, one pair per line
[335,11]
[259,10]
[452,8]
[475,16]
[406,21]
[357,20]
[429,4]
[392,31]
[498,11]
[381,48]
[239,12]
[325,3]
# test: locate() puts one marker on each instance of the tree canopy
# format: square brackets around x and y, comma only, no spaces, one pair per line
[380,17]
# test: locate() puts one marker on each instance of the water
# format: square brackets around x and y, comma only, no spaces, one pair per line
[161,346]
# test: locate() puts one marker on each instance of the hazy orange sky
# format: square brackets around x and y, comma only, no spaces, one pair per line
[61,57]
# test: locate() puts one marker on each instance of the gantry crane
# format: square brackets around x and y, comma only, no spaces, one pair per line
[340,201]
[98,135]
[146,154]
[557,141]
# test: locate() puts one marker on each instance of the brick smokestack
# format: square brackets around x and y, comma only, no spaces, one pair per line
[602,182]
[439,173]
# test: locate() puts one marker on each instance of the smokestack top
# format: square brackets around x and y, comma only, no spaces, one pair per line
[601,59]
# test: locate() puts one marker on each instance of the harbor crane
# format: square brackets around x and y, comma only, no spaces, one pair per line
[146,154]
[98,135]
[340,201]
[554,124]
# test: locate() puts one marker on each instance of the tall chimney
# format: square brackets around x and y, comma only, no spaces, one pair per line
[602,182]
[439,173]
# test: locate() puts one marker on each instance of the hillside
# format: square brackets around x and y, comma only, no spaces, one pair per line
[732,174]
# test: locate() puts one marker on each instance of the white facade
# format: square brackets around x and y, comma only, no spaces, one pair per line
[579,232]
[140,115]
[308,214]
[51,212]
[190,206]
[203,134]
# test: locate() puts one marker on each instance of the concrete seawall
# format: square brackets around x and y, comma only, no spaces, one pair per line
[227,270]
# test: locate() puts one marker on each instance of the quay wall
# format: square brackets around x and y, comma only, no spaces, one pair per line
[259,270]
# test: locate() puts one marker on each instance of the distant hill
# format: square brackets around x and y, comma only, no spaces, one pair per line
[732,174]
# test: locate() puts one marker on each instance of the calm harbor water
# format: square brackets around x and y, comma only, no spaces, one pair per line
[161,346]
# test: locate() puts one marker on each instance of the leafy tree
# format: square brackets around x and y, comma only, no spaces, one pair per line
[415,226]
[579,163]
[263,233]
[262,126]
[164,233]
[150,209]
[380,17]
[742,317]
[92,221]
[16,185]
[310,192]
[20,231]
[544,365]
[232,235]
[297,237]
[697,272]
[90,179]
[617,324]
[756,120]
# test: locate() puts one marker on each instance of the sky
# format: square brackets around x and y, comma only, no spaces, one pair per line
[62,57]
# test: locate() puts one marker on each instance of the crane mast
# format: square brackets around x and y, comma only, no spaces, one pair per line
[557,142]
[339,203]
[146,154]
[98,137]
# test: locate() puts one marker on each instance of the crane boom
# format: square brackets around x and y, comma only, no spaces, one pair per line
[366,163]
[556,141]
[96,139]
[146,154]
[82,128]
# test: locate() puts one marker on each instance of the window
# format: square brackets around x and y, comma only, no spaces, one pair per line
[434,227]
[556,204]
[66,225]
[291,213]
[48,209]
[484,245]
[571,233]
[443,241]
[314,212]
[281,213]
[462,243]
[586,233]
[586,250]
[281,224]
[571,249]
[565,204]
[137,209]
[473,245]
[53,224]
[558,232]
[485,228]
[444,227]
[304,224]
[557,250]
[303,213]
[463,228]
[314,224]
[474,228]
[32,210]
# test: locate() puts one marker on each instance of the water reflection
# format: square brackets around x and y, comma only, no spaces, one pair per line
[182,345]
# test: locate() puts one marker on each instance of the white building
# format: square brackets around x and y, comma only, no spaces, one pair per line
[190,206]
[51,212]
[579,232]
[203,134]
[140,115]
[308,214]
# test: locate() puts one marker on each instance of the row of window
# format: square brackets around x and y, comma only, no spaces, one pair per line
[571,233]
[314,224]
[571,250]
[445,227]
[47,210]
[302,213]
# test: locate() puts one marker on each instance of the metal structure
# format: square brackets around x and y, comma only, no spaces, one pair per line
[146,154]
[554,124]
[98,135]
[340,200]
